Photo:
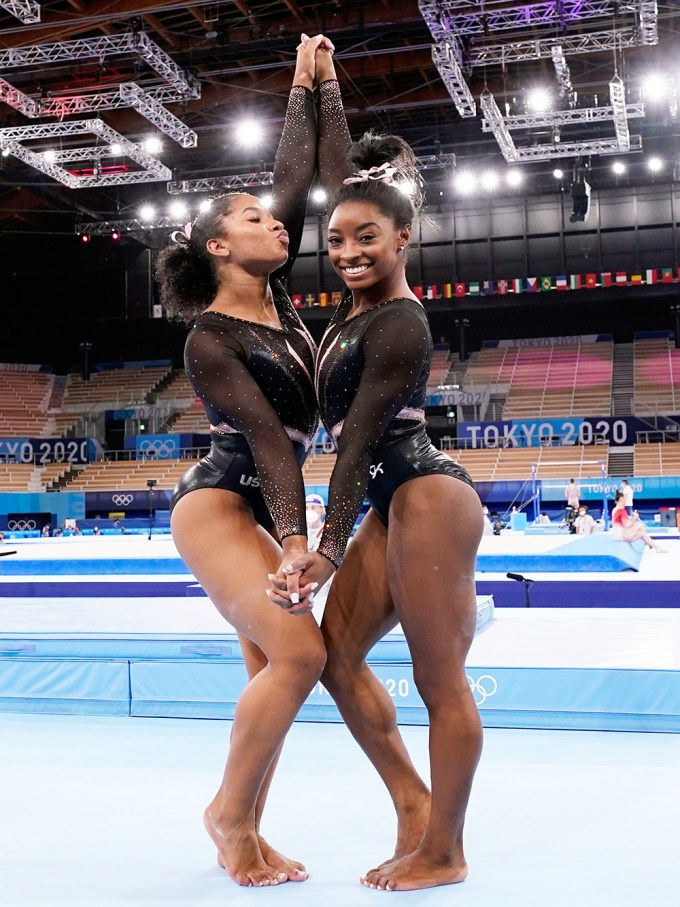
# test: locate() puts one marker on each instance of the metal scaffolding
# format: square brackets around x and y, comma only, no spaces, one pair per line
[26,10]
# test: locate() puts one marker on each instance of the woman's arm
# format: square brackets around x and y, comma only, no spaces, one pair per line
[295,162]
[334,137]
[395,348]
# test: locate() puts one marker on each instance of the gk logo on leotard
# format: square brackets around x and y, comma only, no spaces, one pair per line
[253,481]
[482,688]
[376,470]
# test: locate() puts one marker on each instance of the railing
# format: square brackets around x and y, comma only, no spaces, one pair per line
[658,436]
[132,455]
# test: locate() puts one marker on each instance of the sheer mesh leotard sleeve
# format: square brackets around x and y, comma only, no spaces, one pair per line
[216,366]
[334,137]
[294,170]
[393,347]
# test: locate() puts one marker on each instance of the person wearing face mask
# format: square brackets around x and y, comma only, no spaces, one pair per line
[584,523]
[316,511]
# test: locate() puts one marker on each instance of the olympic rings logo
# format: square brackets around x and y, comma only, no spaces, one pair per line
[482,688]
[162,449]
[122,500]
[20,525]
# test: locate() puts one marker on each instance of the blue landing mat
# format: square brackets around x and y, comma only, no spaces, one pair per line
[590,554]
[122,566]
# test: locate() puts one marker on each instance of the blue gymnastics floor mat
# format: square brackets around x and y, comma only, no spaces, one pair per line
[589,554]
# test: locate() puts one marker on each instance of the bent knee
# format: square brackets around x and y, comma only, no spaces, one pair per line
[306,663]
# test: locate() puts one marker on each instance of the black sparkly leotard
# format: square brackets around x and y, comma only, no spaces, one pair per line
[371,379]
[256,382]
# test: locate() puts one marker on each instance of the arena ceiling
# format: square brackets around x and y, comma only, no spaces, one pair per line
[235,58]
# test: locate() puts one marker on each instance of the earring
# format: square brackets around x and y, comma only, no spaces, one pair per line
[401,248]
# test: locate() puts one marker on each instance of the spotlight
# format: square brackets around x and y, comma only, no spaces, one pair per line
[319,195]
[116,148]
[618,167]
[514,178]
[465,182]
[115,236]
[557,173]
[178,210]
[266,200]
[654,87]
[153,145]
[205,205]
[50,155]
[147,212]
[85,237]
[5,152]
[249,133]
[655,164]
[580,193]
[539,100]
[406,187]
[489,180]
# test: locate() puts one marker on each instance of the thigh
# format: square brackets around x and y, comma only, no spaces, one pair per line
[436,524]
[230,555]
[359,610]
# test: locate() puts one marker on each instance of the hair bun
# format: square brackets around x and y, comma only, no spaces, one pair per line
[373,149]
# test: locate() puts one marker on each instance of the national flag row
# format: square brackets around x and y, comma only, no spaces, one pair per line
[516,285]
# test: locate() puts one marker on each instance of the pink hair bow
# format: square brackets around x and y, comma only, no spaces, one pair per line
[384,173]
[183,236]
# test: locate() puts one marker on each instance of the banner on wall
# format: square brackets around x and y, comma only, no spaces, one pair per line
[617,432]
[41,451]
[547,341]
[459,397]
[113,501]
[157,447]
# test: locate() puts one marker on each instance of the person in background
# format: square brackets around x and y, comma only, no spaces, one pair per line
[584,523]
[572,493]
[627,493]
[96,530]
[45,532]
[316,511]
[542,519]
[626,529]
[488,525]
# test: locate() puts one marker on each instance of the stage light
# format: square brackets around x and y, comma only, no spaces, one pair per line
[115,236]
[655,87]
[85,237]
[147,212]
[618,167]
[319,195]
[489,180]
[116,148]
[539,100]
[654,164]
[557,173]
[50,155]
[249,133]
[153,145]
[205,205]
[514,178]
[266,200]
[465,182]
[406,187]
[178,210]
[5,152]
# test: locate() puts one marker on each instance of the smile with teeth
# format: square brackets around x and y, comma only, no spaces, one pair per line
[357,269]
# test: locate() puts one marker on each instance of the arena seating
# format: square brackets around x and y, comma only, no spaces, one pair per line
[128,475]
[513,463]
[24,398]
[15,476]
[657,376]
[317,469]
[559,380]
[439,368]
[111,388]
[657,459]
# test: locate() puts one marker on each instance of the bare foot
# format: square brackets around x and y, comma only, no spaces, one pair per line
[412,824]
[295,871]
[416,871]
[238,851]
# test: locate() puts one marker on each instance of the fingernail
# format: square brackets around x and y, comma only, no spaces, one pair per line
[270,576]
[315,585]
[295,598]
[311,597]
[289,568]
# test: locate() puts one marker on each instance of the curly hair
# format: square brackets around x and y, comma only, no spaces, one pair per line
[185,272]
[374,150]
